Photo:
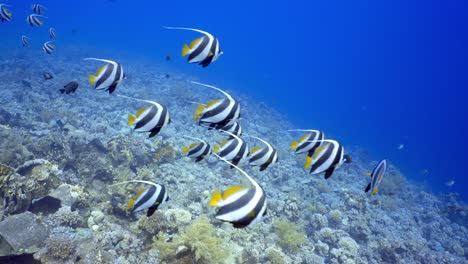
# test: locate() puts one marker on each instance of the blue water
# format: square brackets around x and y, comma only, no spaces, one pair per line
[369,73]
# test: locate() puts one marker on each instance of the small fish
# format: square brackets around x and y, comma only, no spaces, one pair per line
[107,77]
[150,198]
[401,146]
[52,33]
[198,151]
[234,128]
[204,50]
[168,57]
[424,171]
[74,30]
[450,183]
[309,142]
[232,150]
[70,88]
[151,119]
[38,9]
[263,156]
[47,76]
[167,76]
[217,113]
[327,158]
[25,41]
[241,206]
[376,177]
[48,47]
[34,21]
[5,14]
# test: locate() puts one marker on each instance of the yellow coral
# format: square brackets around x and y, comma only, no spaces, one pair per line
[290,237]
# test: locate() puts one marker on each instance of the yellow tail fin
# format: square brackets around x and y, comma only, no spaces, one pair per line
[131,202]
[216,148]
[293,145]
[131,120]
[215,198]
[232,190]
[198,112]
[185,149]
[92,79]
[185,50]
[308,162]
[374,191]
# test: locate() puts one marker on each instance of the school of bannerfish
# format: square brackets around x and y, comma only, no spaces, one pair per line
[239,205]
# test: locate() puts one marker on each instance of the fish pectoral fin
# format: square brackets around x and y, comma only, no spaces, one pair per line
[216,148]
[294,145]
[215,198]
[185,50]
[131,120]
[198,112]
[92,79]
[232,190]
[130,204]
[210,54]
[308,162]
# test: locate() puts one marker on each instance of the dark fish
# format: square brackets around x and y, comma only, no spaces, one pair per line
[47,76]
[70,88]
[168,76]
[168,57]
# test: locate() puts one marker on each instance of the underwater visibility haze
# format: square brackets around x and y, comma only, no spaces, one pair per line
[233,132]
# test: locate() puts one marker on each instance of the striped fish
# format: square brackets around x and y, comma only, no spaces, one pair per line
[151,119]
[241,206]
[150,198]
[5,14]
[309,142]
[217,113]
[327,158]
[234,128]
[232,150]
[263,156]
[34,21]
[52,33]
[38,9]
[108,77]
[25,41]
[198,151]
[204,50]
[376,177]
[48,47]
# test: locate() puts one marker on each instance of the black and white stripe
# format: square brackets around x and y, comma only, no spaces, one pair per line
[198,151]
[234,128]
[152,119]
[309,142]
[327,158]
[107,77]
[376,177]
[245,207]
[263,157]
[48,47]
[52,33]
[233,150]
[205,50]
[38,9]
[34,21]
[220,114]
[5,14]
[25,41]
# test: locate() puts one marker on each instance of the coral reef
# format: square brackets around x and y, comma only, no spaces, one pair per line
[290,238]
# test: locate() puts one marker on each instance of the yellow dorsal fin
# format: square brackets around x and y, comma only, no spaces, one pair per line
[131,120]
[308,162]
[130,204]
[92,79]
[215,198]
[198,112]
[140,111]
[192,145]
[216,148]
[212,102]
[369,174]
[195,42]
[223,143]
[255,149]
[185,50]
[232,190]
[99,71]
[304,137]
[318,150]
[185,149]
[294,145]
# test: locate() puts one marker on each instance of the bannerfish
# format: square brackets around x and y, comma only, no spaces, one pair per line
[34,21]
[47,76]
[234,128]
[241,206]
[263,156]
[376,177]
[150,119]
[198,151]
[38,9]
[450,183]
[5,14]
[70,88]
[327,158]
[217,113]
[52,33]
[204,50]
[150,198]
[309,142]
[25,41]
[107,77]
[48,47]
[232,150]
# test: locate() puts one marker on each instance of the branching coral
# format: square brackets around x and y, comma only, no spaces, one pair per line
[60,248]
[290,236]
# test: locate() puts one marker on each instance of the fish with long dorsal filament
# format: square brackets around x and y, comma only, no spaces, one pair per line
[376,177]
[233,150]
[5,14]
[48,47]
[108,76]
[197,151]
[34,20]
[308,143]
[327,158]
[263,156]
